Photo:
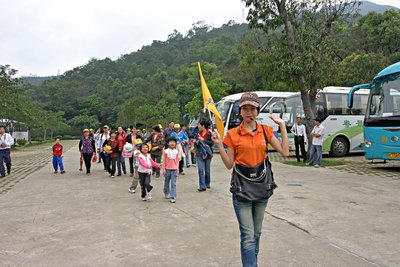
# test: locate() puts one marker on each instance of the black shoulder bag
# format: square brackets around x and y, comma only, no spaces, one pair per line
[253,183]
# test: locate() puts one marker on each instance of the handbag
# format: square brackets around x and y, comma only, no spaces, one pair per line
[253,183]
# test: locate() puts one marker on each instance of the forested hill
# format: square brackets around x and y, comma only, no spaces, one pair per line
[160,81]
[163,75]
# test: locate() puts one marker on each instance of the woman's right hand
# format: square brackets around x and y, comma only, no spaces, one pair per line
[216,137]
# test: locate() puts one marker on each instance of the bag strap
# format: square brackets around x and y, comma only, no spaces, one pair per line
[266,139]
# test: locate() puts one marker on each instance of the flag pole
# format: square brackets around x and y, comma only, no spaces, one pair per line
[211,122]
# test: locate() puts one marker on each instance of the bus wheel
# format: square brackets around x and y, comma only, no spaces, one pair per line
[339,147]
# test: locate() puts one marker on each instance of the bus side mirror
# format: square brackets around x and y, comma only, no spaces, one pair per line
[353,90]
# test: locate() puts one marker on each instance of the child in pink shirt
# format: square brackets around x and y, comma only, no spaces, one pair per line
[170,168]
[146,164]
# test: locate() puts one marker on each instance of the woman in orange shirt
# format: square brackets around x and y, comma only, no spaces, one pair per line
[246,145]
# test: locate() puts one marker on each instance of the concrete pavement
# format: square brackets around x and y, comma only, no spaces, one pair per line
[317,217]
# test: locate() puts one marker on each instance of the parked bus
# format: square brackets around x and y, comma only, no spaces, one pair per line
[343,129]
[382,119]
[228,108]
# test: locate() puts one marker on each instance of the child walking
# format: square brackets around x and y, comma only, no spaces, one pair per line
[146,163]
[135,164]
[170,166]
[57,156]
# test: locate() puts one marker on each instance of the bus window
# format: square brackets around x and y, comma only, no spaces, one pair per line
[263,100]
[319,104]
[336,104]
[395,95]
[234,120]
[223,109]
[359,104]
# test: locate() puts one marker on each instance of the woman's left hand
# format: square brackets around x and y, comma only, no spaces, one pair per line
[277,120]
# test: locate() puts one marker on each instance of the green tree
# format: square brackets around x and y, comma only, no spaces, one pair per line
[360,67]
[306,51]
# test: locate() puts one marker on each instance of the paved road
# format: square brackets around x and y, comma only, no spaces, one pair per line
[317,217]
[27,160]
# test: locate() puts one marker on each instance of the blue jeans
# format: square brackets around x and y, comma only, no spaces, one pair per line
[170,178]
[121,163]
[318,149]
[250,216]
[187,152]
[204,167]
[5,158]
[57,161]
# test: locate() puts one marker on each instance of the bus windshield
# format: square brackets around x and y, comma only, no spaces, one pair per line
[223,109]
[385,99]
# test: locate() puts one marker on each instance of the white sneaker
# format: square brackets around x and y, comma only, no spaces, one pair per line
[148,196]
[132,190]
[172,200]
[167,196]
[144,199]
[317,166]
[194,165]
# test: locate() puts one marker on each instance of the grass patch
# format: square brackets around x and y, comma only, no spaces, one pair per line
[325,163]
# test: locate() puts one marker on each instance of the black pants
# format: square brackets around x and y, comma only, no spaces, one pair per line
[111,164]
[145,180]
[131,165]
[87,158]
[181,166]
[299,141]
[104,159]
[156,158]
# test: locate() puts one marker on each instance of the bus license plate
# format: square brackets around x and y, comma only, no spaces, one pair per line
[393,155]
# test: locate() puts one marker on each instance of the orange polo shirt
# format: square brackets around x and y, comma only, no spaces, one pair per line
[249,150]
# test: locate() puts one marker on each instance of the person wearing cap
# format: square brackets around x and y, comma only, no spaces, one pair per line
[317,134]
[246,145]
[87,147]
[182,139]
[103,137]
[156,139]
[6,141]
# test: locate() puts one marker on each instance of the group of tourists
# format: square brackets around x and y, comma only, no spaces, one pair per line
[167,151]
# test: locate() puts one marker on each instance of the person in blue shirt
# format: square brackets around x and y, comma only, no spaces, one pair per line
[182,139]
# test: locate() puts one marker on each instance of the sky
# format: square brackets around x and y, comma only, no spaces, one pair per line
[47,37]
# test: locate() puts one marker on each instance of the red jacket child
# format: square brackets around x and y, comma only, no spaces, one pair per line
[57,150]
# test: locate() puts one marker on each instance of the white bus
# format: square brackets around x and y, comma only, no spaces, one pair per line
[228,108]
[343,128]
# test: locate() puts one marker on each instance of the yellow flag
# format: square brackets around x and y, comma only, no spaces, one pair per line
[209,103]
